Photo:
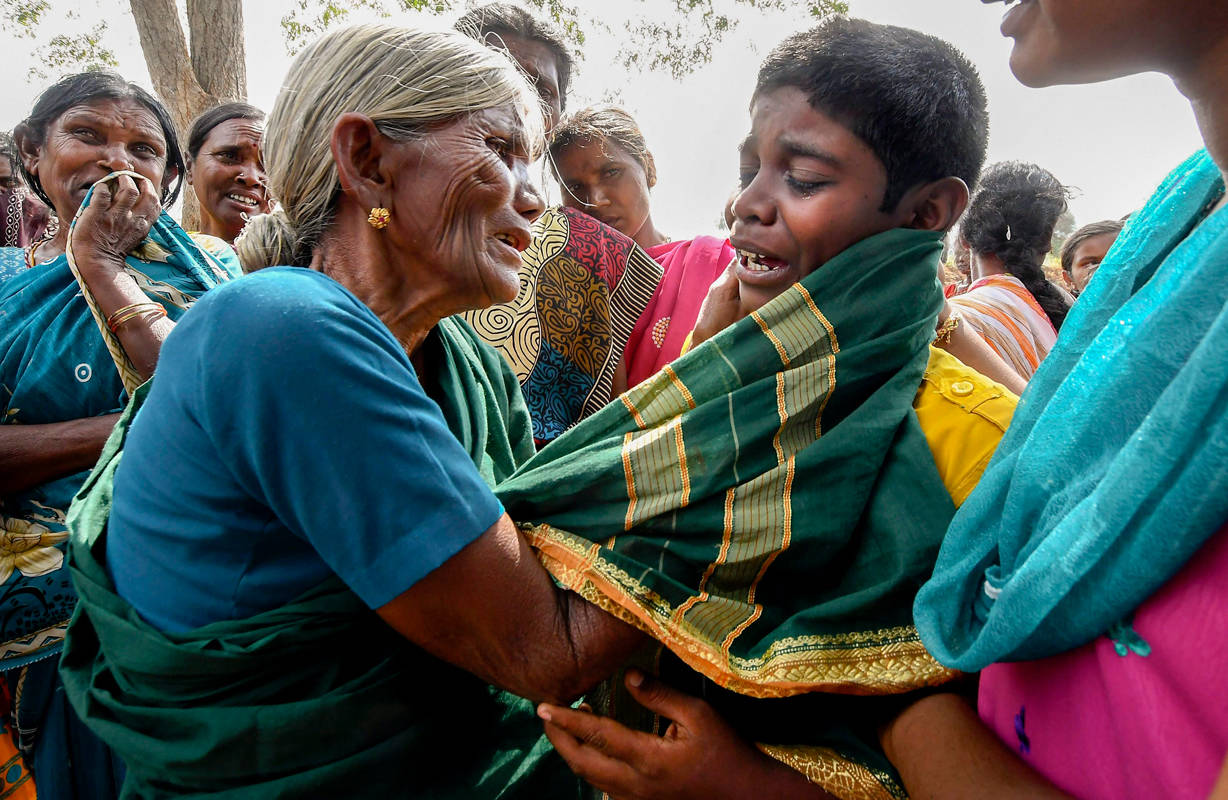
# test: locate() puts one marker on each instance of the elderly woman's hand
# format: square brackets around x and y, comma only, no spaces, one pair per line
[120,215]
[700,755]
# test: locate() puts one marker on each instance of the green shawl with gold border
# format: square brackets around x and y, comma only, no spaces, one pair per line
[767,506]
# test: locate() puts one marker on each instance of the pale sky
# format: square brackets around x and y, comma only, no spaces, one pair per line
[1111,142]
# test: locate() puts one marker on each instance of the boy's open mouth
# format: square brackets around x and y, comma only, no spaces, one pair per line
[757,262]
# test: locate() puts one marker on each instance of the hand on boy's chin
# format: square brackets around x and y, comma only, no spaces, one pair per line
[722,307]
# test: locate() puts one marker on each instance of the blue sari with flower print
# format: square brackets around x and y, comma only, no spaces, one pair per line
[54,367]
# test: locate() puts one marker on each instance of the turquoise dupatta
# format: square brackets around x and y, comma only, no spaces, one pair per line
[54,366]
[1115,468]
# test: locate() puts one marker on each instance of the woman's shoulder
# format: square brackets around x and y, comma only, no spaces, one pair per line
[1002,280]
[220,250]
[283,303]
[282,322]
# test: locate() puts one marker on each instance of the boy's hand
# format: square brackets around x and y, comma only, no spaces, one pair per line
[721,308]
[700,756]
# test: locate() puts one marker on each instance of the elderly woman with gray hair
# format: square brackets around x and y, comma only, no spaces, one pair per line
[290,562]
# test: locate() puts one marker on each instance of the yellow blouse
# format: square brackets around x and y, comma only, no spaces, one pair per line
[963,415]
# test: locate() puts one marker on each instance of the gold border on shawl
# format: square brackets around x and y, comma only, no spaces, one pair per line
[767,331]
[887,661]
[30,643]
[682,387]
[838,776]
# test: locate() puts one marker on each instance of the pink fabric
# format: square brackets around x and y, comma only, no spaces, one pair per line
[1102,725]
[689,268]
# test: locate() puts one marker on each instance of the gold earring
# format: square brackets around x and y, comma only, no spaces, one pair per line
[379,218]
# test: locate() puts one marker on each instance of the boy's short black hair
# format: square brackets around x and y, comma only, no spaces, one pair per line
[914,99]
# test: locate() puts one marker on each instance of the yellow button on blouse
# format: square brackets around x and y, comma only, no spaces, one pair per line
[963,415]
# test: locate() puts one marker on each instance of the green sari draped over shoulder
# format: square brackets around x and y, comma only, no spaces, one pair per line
[766,507]
[319,697]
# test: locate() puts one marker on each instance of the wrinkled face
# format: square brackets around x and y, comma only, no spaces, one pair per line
[91,140]
[1084,41]
[1087,257]
[605,181]
[539,63]
[810,189]
[228,176]
[461,207]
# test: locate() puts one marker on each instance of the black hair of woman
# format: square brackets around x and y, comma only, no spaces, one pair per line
[502,19]
[1080,236]
[8,149]
[211,118]
[1012,215]
[87,87]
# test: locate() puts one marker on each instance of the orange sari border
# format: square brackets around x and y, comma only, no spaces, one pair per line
[890,661]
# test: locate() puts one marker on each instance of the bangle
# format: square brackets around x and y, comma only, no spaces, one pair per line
[946,329]
[131,312]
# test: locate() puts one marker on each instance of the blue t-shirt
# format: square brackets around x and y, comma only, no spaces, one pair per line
[286,438]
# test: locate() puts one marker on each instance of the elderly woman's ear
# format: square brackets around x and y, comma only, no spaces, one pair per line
[360,150]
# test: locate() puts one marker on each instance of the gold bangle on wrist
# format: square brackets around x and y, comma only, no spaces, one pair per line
[946,329]
[131,312]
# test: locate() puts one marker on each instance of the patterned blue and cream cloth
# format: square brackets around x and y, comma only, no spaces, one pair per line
[12,263]
[55,367]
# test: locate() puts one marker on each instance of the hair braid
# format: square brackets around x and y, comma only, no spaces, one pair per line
[1012,216]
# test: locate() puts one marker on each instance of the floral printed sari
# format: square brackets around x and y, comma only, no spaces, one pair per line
[54,367]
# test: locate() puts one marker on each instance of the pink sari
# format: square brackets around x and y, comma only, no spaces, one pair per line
[1138,715]
[689,267]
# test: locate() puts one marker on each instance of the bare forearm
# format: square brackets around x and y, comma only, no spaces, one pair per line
[492,609]
[943,751]
[34,454]
[967,345]
[141,337]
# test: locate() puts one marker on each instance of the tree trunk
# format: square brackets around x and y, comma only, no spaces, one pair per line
[218,53]
[190,82]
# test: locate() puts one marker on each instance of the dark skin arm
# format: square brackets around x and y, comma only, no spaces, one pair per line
[493,610]
[943,750]
[31,455]
[699,757]
[118,218]
[938,744]
[966,345]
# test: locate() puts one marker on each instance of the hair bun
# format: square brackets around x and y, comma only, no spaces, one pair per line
[268,240]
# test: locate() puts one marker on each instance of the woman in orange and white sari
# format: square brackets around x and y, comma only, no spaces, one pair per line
[1009,228]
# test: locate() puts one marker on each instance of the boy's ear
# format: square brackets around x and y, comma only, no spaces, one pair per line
[938,205]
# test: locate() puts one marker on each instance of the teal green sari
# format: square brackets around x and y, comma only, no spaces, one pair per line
[319,697]
[54,367]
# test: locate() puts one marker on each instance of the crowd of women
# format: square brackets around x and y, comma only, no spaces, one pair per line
[392,480]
